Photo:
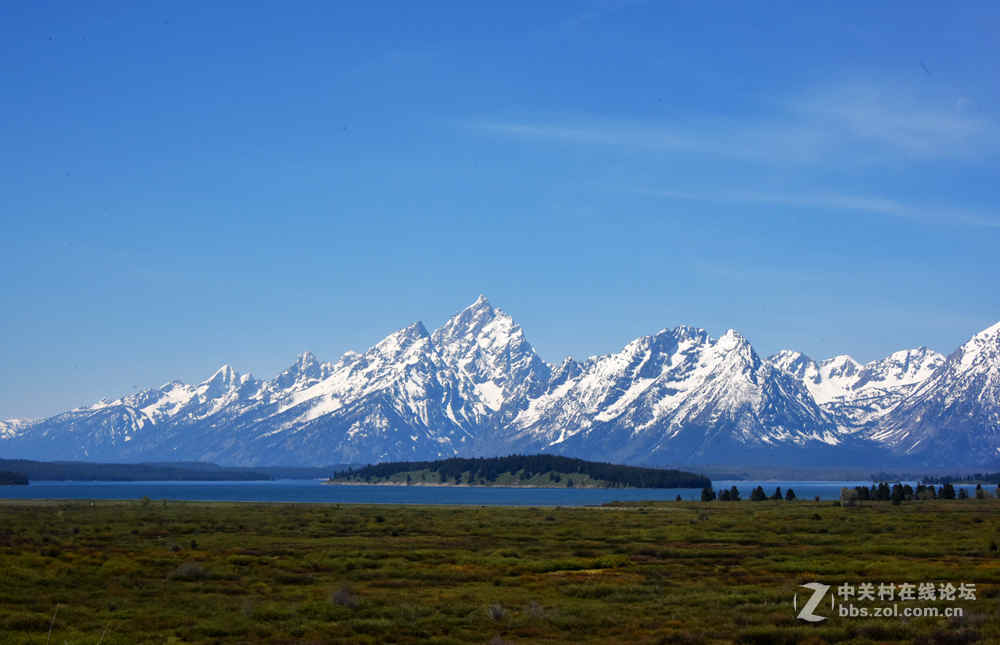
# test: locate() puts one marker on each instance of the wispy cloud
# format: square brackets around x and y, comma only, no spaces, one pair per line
[897,118]
[718,139]
[596,10]
[866,122]
[840,202]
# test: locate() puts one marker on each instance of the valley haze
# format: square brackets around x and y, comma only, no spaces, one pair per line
[476,387]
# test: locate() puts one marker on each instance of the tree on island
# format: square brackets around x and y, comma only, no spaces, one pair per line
[707,494]
[790,495]
[12,478]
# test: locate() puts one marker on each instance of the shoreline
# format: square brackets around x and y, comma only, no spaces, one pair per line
[440,485]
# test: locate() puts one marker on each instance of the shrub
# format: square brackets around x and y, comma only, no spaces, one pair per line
[119,566]
[949,636]
[190,571]
[535,610]
[345,598]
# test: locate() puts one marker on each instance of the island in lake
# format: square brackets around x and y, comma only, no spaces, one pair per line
[540,471]
[8,478]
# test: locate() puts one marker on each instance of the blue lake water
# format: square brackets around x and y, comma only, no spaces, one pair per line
[314,491]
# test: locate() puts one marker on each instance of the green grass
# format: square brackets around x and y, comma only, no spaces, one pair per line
[677,572]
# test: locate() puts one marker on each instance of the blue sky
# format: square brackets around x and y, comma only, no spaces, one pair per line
[187,185]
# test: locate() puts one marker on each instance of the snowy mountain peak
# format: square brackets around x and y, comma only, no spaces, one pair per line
[993,331]
[346,359]
[10,427]
[731,340]
[402,341]
[306,369]
[735,350]
[796,363]
[860,394]
[907,366]
[224,377]
[479,327]
[472,320]
[983,347]
[486,346]
[569,369]
[954,414]
[686,332]
[648,399]
[840,366]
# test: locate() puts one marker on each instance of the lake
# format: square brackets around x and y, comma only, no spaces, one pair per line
[313,491]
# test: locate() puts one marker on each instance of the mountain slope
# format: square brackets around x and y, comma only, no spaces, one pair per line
[953,416]
[855,394]
[476,387]
[676,397]
[397,400]
[10,428]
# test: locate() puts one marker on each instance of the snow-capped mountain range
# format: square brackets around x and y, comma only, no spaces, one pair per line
[476,387]
[860,394]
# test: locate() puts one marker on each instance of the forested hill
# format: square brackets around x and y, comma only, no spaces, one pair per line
[521,470]
[9,478]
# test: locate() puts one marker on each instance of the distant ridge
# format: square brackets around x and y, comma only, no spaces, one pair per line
[182,471]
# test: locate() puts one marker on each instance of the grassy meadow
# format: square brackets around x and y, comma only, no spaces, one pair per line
[149,571]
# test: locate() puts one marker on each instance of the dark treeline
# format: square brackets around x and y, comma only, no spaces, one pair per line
[8,478]
[300,472]
[488,469]
[938,479]
[881,492]
[988,478]
[82,471]
[757,495]
[898,493]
